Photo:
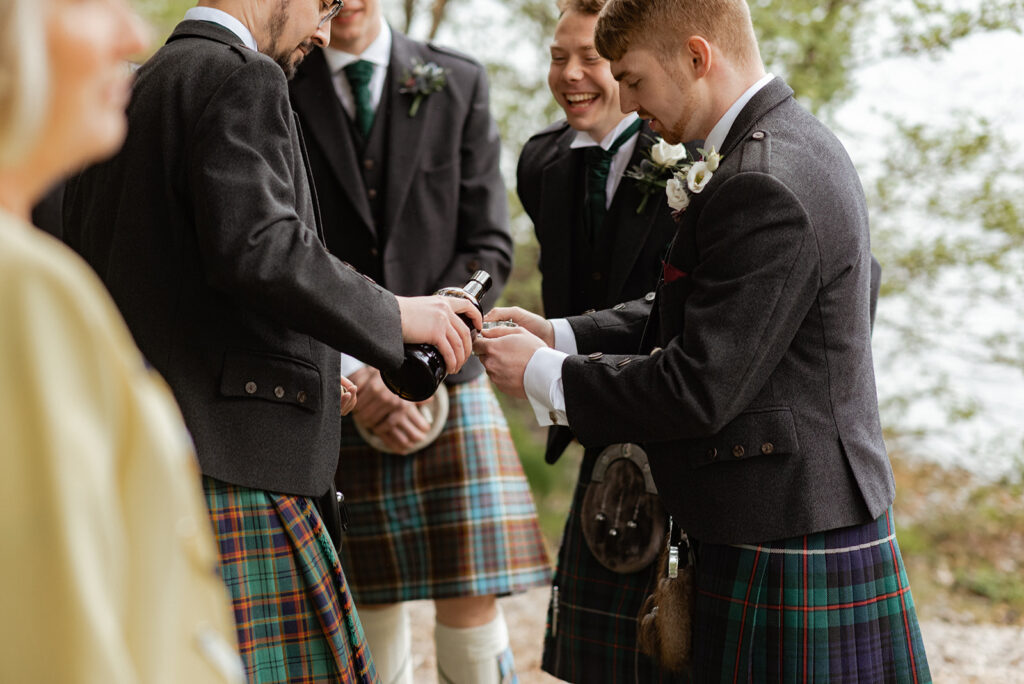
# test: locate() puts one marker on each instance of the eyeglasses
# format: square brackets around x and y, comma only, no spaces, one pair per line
[332,11]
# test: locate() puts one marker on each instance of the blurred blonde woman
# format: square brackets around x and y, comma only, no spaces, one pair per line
[109,569]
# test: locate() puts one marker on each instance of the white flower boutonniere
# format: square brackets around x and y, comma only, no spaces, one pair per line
[652,174]
[691,179]
[422,80]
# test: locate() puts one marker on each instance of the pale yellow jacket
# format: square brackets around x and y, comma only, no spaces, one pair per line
[108,570]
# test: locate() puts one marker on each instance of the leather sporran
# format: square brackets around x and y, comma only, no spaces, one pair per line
[665,624]
[622,518]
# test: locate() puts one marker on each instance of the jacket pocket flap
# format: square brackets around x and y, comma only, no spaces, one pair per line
[760,432]
[279,379]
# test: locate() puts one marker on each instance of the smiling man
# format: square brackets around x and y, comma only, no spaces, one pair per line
[750,383]
[205,231]
[597,248]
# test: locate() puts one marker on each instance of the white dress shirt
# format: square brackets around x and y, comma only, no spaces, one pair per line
[378,53]
[542,378]
[622,156]
[222,18]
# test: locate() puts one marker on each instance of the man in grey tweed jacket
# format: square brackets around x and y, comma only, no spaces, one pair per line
[205,230]
[750,382]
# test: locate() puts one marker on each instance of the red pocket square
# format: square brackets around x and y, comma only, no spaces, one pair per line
[671,273]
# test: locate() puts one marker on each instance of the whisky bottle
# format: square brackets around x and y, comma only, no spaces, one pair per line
[423,368]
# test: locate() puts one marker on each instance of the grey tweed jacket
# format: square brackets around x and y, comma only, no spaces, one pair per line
[751,383]
[205,230]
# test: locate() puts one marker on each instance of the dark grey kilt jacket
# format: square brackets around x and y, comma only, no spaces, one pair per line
[204,229]
[439,210]
[754,389]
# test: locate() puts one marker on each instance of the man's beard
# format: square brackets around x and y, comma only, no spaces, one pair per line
[283,57]
[289,64]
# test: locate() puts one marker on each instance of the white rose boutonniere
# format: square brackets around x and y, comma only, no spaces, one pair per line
[691,179]
[653,173]
[666,155]
[678,197]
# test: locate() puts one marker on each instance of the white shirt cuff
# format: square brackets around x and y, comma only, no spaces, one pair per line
[349,365]
[542,381]
[565,338]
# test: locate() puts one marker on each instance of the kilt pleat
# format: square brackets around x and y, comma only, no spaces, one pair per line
[834,606]
[592,615]
[295,618]
[454,519]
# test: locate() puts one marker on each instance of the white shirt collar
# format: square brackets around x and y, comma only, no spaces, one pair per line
[583,139]
[224,19]
[378,52]
[716,138]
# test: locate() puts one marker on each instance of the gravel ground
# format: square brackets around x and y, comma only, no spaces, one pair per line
[957,653]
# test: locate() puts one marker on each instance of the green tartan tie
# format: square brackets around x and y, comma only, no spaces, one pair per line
[359,75]
[598,162]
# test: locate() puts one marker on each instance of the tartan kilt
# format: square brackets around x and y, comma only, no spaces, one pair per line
[832,606]
[454,519]
[592,616]
[295,618]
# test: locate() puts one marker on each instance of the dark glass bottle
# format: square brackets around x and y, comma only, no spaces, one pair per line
[423,369]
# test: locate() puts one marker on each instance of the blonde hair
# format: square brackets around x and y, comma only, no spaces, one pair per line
[24,76]
[663,25]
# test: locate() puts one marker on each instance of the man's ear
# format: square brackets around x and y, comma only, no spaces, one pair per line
[698,54]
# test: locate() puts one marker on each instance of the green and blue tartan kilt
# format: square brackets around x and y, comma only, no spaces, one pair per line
[454,519]
[592,616]
[832,606]
[295,617]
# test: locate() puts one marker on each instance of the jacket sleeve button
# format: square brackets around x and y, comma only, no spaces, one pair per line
[301,397]
[713,453]
[279,392]
[250,387]
[767,448]
[738,451]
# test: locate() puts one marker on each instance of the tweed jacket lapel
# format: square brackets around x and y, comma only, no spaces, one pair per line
[631,229]
[328,126]
[683,253]
[406,134]
[558,206]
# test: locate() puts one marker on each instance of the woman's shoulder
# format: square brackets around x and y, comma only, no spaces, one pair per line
[42,278]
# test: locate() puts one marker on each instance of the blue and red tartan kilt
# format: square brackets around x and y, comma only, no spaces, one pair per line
[592,616]
[295,618]
[454,519]
[833,606]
